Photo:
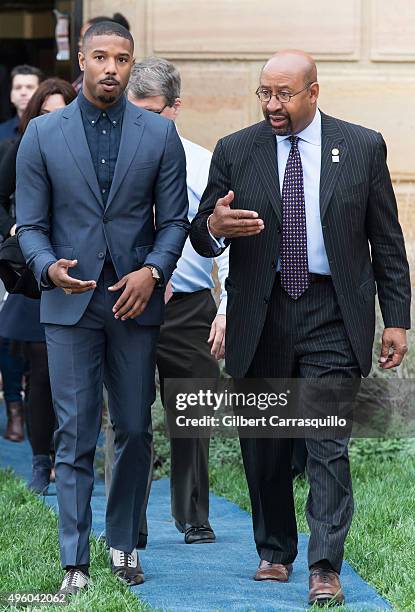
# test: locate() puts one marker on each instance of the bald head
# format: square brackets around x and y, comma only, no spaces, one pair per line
[293,62]
[288,91]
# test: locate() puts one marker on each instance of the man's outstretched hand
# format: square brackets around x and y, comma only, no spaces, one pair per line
[58,273]
[137,289]
[227,222]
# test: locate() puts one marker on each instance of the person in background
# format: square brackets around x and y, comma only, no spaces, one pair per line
[20,316]
[25,80]
[192,319]
[116,18]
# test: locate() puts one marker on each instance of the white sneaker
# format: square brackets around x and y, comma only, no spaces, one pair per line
[74,581]
[126,566]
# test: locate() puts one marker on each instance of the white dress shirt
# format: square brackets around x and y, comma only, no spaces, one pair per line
[309,145]
[194,272]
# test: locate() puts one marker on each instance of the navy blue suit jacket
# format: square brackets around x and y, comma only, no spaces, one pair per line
[60,212]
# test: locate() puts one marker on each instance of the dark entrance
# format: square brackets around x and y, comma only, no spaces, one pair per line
[27,36]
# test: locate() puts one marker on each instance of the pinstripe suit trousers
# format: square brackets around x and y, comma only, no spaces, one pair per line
[303,338]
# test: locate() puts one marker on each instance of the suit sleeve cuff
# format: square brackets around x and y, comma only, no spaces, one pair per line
[45,282]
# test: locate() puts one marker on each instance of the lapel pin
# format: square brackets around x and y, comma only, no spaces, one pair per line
[335,155]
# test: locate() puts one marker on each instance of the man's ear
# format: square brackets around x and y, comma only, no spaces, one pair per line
[81,60]
[177,106]
[314,91]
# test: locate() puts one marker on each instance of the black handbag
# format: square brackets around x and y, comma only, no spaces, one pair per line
[15,274]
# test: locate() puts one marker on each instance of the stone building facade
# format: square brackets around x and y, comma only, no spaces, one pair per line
[365,51]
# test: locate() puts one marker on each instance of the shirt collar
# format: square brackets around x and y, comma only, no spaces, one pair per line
[92,112]
[311,134]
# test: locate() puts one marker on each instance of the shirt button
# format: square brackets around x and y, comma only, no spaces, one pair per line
[104,131]
[93,122]
[101,255]
[114,123]
[103,190]
[102,161]
[104,114]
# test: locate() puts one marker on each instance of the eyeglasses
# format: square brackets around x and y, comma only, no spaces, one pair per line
[265,95]
[158,112]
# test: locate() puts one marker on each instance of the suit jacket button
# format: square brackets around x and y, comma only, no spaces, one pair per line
[101,255]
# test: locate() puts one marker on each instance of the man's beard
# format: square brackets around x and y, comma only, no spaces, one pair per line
[282,131]
[107,99]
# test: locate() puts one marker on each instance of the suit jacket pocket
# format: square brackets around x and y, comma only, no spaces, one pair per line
[353,191]
[367,290]
[142,252]
[143,165]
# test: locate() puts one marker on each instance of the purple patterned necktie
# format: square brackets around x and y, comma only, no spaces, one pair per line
[293,256]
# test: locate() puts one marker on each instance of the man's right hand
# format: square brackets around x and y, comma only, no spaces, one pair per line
[58,274]
[226,222]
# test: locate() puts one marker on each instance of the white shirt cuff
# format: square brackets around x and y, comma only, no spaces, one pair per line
[217,243]
[222,306]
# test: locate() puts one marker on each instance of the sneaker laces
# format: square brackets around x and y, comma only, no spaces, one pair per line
[74,578]
[121,558]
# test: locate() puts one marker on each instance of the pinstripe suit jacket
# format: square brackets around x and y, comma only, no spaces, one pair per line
[361,231]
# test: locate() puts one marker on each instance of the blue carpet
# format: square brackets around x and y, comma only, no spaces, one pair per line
[205,578]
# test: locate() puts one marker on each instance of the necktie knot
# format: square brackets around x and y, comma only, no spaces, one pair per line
[294,141]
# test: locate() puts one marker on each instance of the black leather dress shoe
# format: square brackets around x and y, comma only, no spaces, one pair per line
[196,534]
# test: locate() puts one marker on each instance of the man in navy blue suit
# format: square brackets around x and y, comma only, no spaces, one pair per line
[101,214]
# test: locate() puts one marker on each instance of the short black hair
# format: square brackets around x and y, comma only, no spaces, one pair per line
[117,18]
[107,28]
[26,69]
[98,19]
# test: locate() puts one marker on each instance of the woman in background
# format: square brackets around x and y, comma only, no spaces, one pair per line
[20,316]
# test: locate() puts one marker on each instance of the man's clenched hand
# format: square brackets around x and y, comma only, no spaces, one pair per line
[394,347]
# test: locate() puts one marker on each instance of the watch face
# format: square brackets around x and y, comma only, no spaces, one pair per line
[154,272]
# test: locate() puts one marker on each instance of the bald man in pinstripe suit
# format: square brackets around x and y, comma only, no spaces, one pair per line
[305,202]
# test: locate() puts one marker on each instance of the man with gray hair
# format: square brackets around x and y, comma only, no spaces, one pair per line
[192,322]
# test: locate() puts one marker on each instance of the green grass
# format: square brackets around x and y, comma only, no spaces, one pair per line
[29,559]
[380,545]
[381,542]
